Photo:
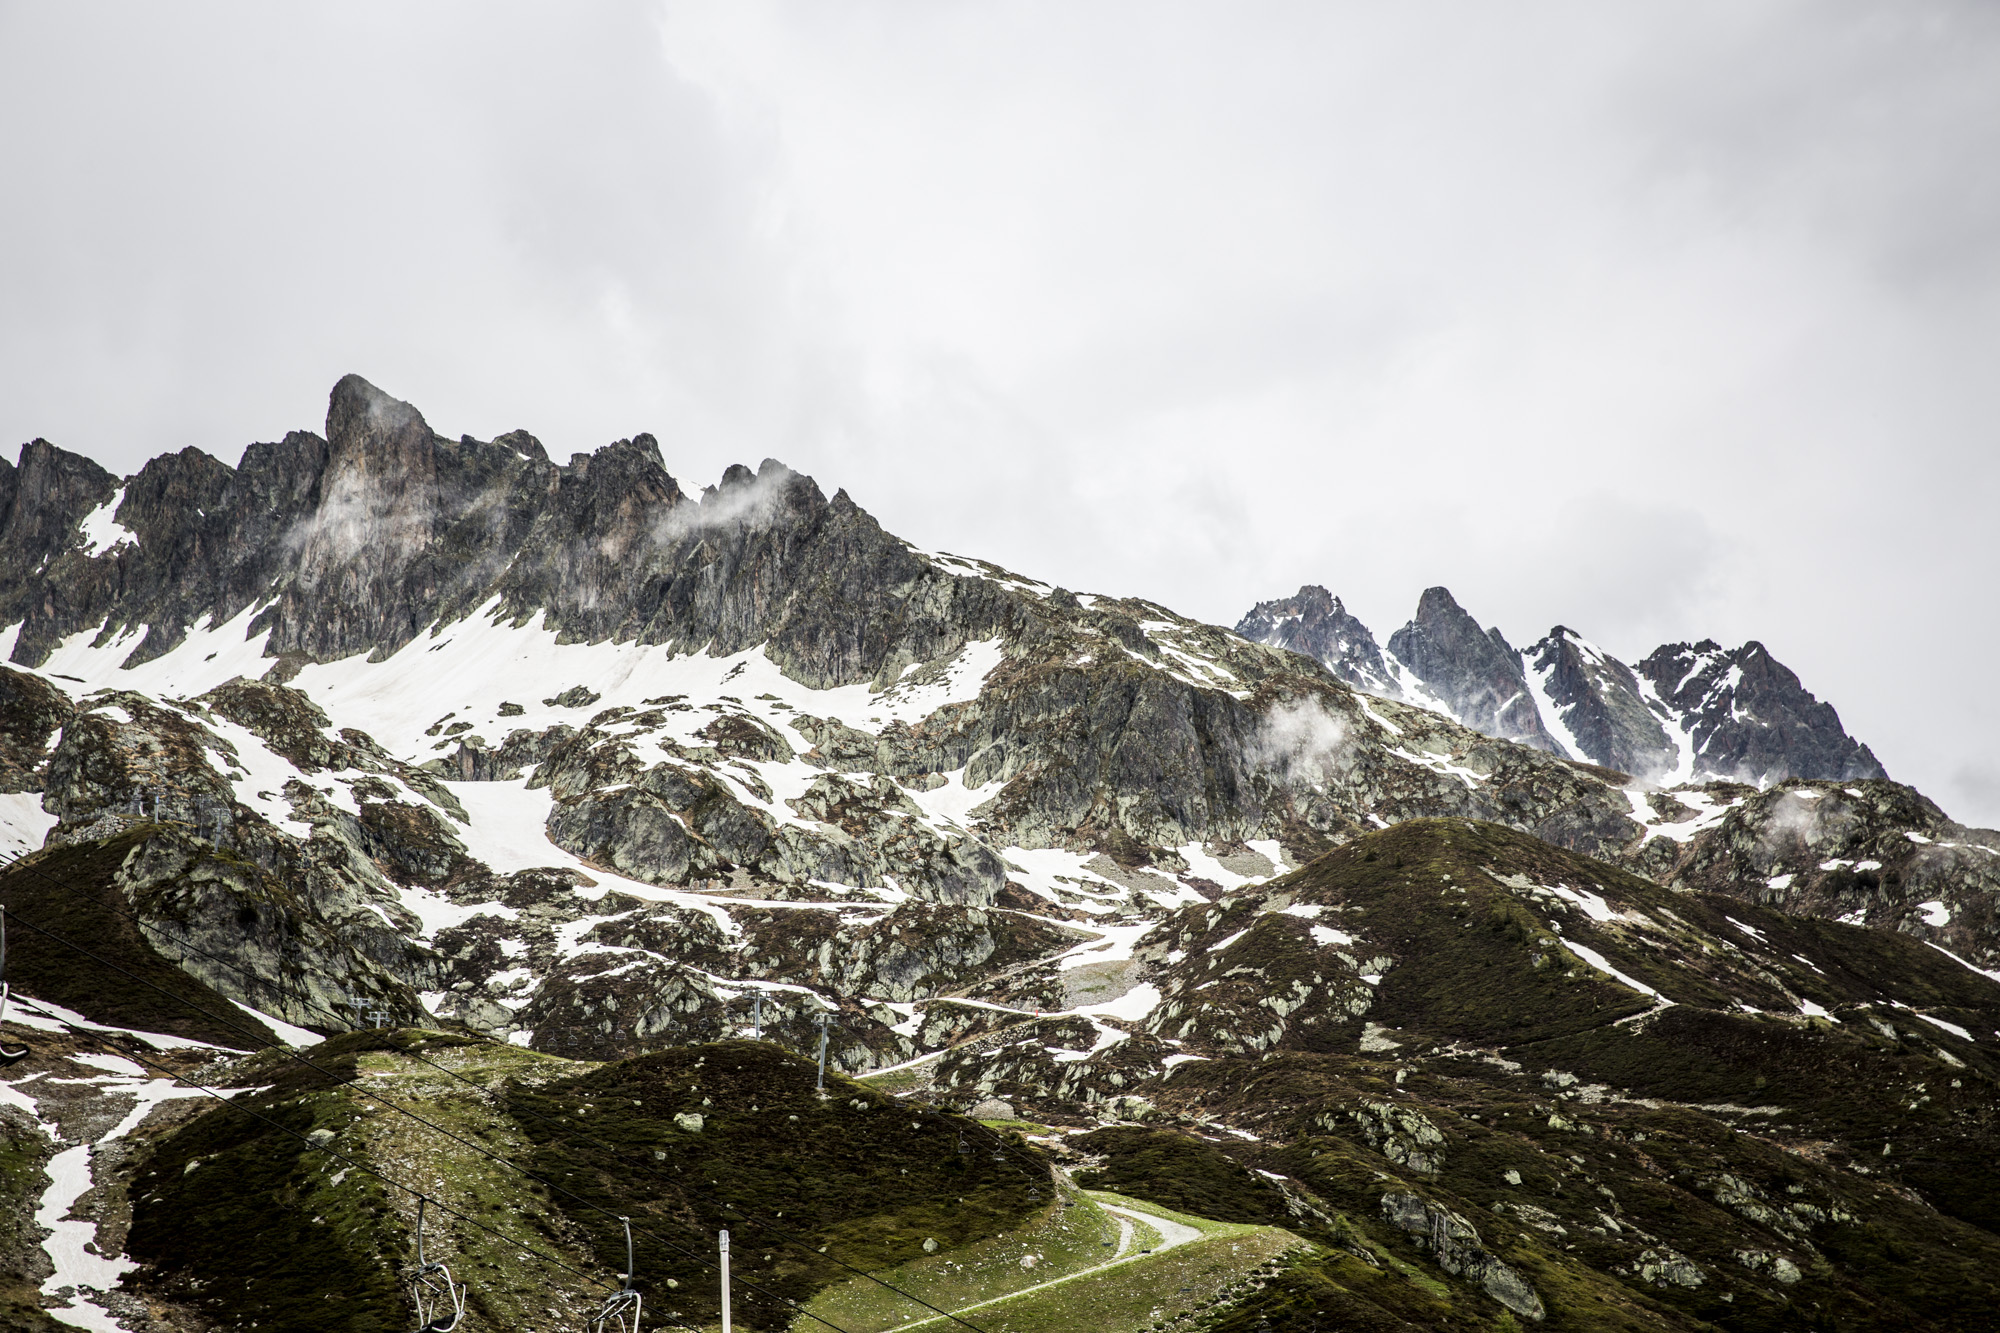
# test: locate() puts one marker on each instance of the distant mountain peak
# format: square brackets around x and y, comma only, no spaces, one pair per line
[1474,670]
[1688,711]
[1315,623]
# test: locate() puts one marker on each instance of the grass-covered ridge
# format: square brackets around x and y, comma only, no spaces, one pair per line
[72,891]
[798,1179]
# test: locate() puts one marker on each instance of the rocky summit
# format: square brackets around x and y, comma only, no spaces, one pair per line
[1687,712]
[420,841]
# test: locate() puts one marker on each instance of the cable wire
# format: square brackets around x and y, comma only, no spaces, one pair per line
[788,1237]
[334,1153]
[697,1257]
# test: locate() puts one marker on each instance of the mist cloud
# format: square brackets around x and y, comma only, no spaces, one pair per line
[1299,743]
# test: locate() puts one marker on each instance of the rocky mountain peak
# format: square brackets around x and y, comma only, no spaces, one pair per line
[1688,711]
[1749,716]
[1474,671]
[357,411]
[1316,623]
[1592,703]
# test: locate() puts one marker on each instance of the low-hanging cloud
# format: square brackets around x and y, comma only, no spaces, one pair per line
[1300,744]
[734,506]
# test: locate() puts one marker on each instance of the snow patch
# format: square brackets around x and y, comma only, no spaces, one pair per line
[1592,904]
[1603,964]
[24,825]
[1953,1028]
[102,532]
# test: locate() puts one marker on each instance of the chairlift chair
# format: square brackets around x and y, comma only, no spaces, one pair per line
[431,1287]
[620,1310]
[8,1054]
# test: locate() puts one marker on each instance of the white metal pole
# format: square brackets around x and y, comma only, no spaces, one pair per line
[822,1052]
[725,1282]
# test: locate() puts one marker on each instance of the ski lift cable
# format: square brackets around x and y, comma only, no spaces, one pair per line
[334,1153]
[551,1185]
[787,1236]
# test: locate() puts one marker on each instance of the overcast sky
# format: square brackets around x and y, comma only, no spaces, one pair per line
[1660,321]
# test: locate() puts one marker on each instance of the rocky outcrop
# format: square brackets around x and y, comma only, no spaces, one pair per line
[32,713]
[289,914]
[1475,671]
[1748,717]
[1872,853]
[1314,622]
[1454,1243]
[1595,705]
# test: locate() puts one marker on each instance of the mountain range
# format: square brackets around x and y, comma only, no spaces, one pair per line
[1686,712]
[519,835]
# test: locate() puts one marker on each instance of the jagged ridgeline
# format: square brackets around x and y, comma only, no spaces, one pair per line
[1436,986]
[1685,712]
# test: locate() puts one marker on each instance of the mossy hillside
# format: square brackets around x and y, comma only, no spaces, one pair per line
[526,1265]
[239,1217]
[1899,1113]
[71,891]
[1861,973]
[1472,962]
[266,1228]
[1060,1241]
[336,1062]
[1593,1185]
[1177,1288]
[855,1172]
[1440,893]
[23,1154]
[1366,1273]
[1178,1170]
[1465,947]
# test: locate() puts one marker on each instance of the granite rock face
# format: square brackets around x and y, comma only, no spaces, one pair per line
[1868,852]
[1595,703]
[1314,622]
[1687,712]
[1475,671]
[32,713]
[1748,717]
[355,542]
